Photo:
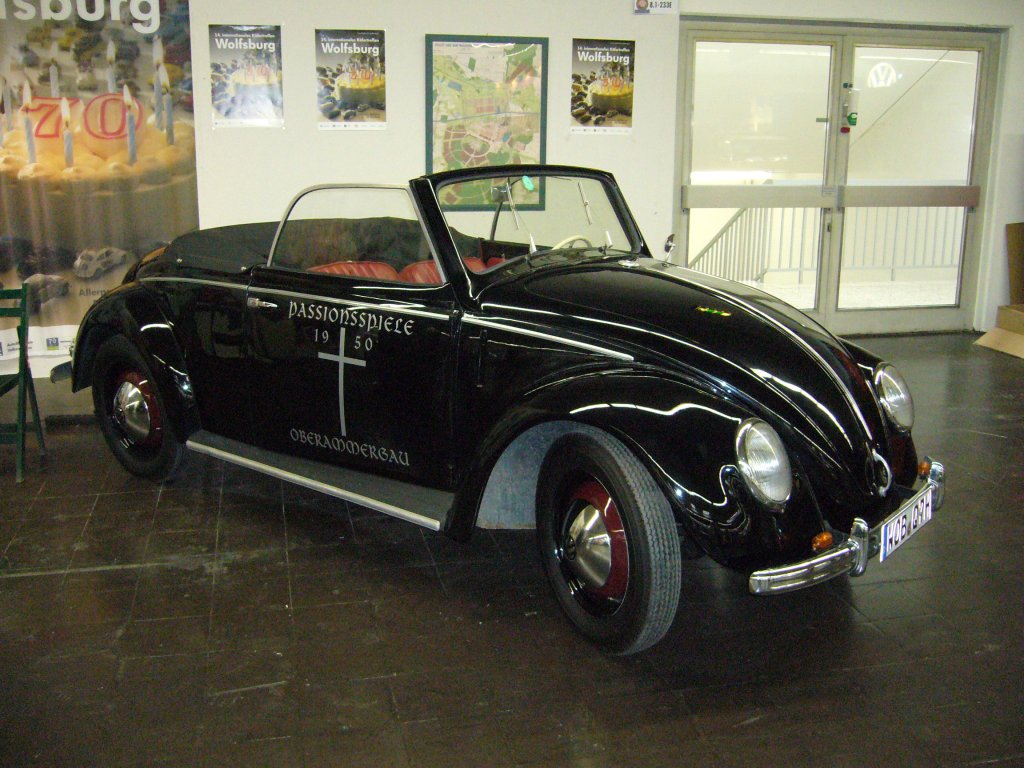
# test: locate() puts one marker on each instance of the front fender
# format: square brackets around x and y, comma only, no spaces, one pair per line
[683,434]
[133,312]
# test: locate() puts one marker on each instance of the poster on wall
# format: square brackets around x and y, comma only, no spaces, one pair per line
[602,86]
[97,161]
[486,102]
[350,79]
[245,76]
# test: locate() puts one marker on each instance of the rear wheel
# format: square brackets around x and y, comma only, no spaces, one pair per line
[131,412]
[608,543]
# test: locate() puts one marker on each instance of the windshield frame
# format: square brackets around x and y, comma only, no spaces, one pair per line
[630,230]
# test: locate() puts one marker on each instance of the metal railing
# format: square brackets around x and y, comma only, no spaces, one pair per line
[757,242]
[892,239]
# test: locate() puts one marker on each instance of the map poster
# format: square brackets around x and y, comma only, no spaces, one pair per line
[245,75]
[602,86]
[486,103]
[350,79]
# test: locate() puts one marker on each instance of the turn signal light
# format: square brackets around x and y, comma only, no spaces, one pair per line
[822,541]
[924,468]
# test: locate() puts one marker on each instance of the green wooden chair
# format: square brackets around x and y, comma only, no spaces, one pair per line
[21,380]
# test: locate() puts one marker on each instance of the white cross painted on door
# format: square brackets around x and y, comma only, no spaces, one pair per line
[342,361]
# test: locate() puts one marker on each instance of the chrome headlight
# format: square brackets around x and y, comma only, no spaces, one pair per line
[763,462]
[894,395]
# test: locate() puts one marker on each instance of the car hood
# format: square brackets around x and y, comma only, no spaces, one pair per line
[747,346]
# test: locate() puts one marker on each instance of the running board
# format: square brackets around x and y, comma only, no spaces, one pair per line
[427,507]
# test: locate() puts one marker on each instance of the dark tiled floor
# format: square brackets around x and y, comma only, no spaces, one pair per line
[225,620]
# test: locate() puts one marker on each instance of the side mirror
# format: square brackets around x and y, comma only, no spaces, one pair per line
[670,244]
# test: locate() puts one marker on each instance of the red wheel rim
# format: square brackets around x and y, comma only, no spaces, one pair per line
[594,547]
[135,411]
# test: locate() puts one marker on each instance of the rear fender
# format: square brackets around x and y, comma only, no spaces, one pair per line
[133,312]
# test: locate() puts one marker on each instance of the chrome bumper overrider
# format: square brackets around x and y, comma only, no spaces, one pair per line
[849,557]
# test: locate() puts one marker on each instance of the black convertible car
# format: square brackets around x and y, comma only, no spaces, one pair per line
[496,347]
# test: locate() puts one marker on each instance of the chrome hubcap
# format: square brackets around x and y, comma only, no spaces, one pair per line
[592,548]
[588,548]
[131,413]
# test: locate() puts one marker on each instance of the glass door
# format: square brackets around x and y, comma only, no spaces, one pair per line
[836,170]
[908,176]
[759,162]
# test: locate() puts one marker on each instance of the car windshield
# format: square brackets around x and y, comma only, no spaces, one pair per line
[499,218]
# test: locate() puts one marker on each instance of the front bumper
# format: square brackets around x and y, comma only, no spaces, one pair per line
[851,556]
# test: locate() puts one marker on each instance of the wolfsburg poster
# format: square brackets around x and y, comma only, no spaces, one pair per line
[602,86]
[245,76]
[350,79]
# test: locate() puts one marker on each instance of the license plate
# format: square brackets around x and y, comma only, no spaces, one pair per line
[905,523]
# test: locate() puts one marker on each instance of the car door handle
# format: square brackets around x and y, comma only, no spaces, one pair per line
[253,303]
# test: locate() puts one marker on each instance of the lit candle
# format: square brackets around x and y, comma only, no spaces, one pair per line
[9,107]
[165,90]
[30,139]
[160,82]
[54,73]
[132,145]
[111,57]
[169,112]
[7,103]
[158,63]
[69,147]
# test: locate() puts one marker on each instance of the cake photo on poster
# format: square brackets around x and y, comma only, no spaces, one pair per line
[601,99]
[97,161]
[245,75]
[351,79]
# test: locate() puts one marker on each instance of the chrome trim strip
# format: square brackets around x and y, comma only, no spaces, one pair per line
[195,281]
[851,556]
[548,337]
[307,296]
[330,490]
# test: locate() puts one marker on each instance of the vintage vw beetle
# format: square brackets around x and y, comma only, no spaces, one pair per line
[497,347]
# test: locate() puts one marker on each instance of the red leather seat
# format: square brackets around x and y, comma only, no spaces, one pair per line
[495,261]
[377,270]
[425,272]
[421,273]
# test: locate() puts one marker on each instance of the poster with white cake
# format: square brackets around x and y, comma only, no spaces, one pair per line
[601,98]
[350,79]
[97,160]
[245,76]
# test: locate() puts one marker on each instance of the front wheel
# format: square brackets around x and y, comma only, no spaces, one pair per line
[608,543]
[131,412]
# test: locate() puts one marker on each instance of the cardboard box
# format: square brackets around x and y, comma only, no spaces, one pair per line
[1008,335]
[1011,318]
[1015,254]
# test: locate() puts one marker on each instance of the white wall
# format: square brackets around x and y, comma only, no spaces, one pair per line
[250,174]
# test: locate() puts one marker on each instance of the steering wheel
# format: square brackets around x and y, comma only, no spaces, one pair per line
[570,240]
